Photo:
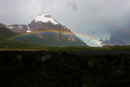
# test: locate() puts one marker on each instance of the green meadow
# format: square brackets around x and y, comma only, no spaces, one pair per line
[20,46]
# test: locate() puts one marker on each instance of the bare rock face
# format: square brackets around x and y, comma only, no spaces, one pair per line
[18,28]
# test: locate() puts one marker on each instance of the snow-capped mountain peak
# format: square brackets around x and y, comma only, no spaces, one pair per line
[45,18]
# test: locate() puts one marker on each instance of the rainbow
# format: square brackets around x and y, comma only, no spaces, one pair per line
[56,31]
[98,17]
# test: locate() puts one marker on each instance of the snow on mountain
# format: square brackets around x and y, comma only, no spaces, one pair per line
[18,28]
[10,27]
[45,18]
[28,29]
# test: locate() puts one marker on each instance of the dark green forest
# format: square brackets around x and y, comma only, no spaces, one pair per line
[64,69]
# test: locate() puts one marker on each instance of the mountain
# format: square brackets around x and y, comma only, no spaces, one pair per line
[105,37]
[2,25]
[46,31]
[114,40]
[5,32]
[96,38]
[18,28]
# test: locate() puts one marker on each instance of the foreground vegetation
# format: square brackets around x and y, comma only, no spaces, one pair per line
[6,45]
[63,69]
[16,46]
[25,65]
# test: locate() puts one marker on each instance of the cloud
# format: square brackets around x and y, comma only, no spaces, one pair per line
[15,11]
[75,14]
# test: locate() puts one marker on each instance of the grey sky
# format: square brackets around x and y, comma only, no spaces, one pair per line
[77,15]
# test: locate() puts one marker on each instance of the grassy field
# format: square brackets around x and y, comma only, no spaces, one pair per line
[14,46]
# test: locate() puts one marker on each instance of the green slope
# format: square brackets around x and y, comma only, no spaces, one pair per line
[17,45]
[5,33]
[48,40]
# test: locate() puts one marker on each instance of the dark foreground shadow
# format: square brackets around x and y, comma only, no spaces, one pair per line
[64,69]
